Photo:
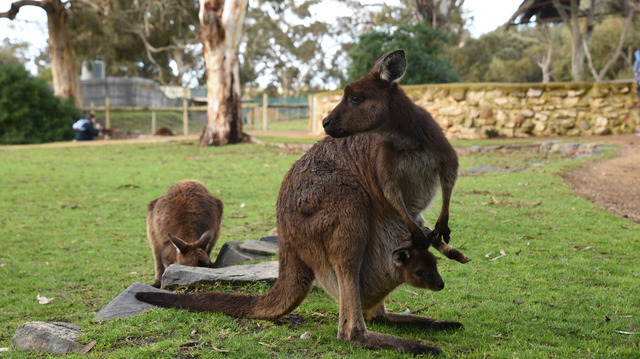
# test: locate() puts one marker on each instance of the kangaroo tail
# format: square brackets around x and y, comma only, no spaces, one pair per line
[236,305]
[291,288]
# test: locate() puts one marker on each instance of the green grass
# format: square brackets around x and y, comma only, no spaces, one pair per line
[140,121]
[282,125]
[72,223]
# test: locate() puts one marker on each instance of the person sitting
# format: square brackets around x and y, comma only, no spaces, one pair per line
[86,129]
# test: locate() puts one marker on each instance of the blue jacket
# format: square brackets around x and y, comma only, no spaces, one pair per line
[85,130]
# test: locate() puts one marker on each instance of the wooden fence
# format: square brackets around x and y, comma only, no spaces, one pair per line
[186,110]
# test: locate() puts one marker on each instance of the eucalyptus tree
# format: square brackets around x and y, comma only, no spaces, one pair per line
[63,64]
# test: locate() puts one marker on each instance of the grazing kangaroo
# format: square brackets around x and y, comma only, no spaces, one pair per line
[345,210]
[183,226]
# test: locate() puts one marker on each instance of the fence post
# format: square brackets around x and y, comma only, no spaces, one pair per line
[185,117]
[107,112]
[312,118]
[265,111]
[153,119]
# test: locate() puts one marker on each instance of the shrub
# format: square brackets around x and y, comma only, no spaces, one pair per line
[29,112]
[422,44]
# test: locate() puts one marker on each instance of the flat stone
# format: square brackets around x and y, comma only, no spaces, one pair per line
[270,239]
[179,275]
[546,145]
[125,304]
[231,254]
[54,338]
[259,247]
[485,169]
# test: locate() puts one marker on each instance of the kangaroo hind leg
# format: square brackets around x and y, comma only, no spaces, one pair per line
[379,314]
[352,327]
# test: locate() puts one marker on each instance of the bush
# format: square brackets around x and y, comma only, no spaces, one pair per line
[29,112]
[422,44]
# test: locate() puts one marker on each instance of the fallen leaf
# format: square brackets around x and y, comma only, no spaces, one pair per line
[44,300]
[579,248]
[502,254]
[87,348]
[626,333]
[215,349]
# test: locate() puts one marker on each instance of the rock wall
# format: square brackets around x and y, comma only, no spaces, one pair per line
[484,110]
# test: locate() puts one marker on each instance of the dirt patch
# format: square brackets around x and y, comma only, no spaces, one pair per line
[612,183]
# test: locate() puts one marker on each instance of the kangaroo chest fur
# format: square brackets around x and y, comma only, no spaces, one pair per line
[416,176]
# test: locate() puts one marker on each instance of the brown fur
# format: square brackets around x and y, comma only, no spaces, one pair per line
[183,226]
[344,209]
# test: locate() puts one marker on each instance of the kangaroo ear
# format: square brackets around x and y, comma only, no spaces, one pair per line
[180,245]
[391,66]
[204,240]
[400,257]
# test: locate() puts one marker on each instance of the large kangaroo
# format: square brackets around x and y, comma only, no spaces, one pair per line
[183,226]
[345,208]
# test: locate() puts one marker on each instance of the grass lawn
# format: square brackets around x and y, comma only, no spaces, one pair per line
[72,223]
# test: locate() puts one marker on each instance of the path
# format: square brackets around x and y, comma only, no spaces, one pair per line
[612,183]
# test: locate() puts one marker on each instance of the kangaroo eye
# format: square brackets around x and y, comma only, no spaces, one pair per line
[356,100]
[421,273]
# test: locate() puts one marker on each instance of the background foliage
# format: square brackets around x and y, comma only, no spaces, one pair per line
[29,112]
[423,47]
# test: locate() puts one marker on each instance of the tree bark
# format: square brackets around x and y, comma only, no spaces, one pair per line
[63,64]
[545,62]
[578,37]
[221,28]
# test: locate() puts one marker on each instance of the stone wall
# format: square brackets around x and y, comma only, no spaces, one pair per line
[518,110]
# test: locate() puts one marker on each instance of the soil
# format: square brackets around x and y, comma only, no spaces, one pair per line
[612,183]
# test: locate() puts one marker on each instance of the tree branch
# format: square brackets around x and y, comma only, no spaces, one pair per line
[15,8]
[589,61]
[616,54]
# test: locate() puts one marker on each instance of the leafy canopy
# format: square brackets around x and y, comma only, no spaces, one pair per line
[422,44]
[29,112]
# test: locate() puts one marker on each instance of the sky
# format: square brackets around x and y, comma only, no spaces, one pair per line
[30,24]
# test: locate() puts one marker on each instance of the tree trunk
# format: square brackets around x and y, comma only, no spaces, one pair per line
[63,66]
[221,28]
[545,62]
[577,36]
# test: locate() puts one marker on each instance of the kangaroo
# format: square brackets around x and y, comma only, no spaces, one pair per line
[347,205]
[183,226]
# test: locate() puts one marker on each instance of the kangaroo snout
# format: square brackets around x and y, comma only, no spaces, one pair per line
[332,128]
[326,122]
